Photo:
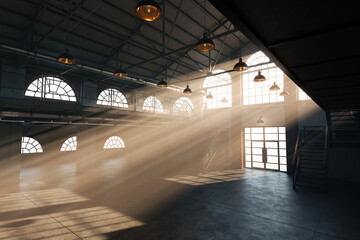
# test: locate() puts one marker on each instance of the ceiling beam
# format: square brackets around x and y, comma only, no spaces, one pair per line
[191,46]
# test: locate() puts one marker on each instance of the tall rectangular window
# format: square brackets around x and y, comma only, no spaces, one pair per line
[259,92]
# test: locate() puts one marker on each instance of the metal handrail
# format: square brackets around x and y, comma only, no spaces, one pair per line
[326,158]
[298,149]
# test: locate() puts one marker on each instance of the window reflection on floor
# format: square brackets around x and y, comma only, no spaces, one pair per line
[50,197]
[95,221]
[35,177]
[217,177]
[57,214]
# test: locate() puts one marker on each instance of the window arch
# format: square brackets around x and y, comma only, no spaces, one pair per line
[114,142]
[153,104]
[51,88]
[258,92]
[30,145]
[112,97]
[219,86]
[183,105]
[69,145]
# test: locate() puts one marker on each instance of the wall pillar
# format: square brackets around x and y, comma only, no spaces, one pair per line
[10,150]
[291,121]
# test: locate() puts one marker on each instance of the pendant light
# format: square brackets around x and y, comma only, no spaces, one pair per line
[120,73]
[162,83]
[274,87]
[209,96]
[205,44]
[66,58]
[240,66]
[148,10]
[187,90]
[224,100]
[284,93]
[260,120]
[259,77]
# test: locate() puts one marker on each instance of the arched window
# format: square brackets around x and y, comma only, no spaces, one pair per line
[30,145]
[258,92]
[183,105]
[114,142]
[69,145]
[153,104]
[51,88]
[112,97]
[219,86]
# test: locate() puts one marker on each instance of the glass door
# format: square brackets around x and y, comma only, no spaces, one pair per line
[265,148]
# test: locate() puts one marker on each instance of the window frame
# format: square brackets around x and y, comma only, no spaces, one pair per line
[217,90]
[43,94]
[272,71]
[125,104]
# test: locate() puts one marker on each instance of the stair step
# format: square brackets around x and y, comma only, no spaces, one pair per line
[311,176]
[317,187]
[312,173]
[311,166]
[311,160]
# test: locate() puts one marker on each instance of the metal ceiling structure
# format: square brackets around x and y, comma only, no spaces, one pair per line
[316,43]
[102,34]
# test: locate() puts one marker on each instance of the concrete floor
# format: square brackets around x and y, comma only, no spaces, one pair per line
[233,204]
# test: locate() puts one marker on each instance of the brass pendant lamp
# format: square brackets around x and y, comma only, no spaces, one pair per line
[259,77]
[120,73]
[148,10]
[260,120]
[66,58]
[224,100]
[274,87]
[162,83]
[209,96]
[240,66]
[205,44]
[284,93]
[187,90]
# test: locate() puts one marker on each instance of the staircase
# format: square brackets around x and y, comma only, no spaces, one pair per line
[344,127]
[311,159]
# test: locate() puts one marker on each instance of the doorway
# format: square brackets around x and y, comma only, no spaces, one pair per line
[265,148]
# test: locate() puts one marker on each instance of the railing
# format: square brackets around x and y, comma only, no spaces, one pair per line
[298,150]
[296,158]
[210,153]
[326,158]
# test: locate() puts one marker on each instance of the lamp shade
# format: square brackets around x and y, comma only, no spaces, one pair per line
[205,44]
[209,96]
[259,78]
[120,73]
[240,66]
[148,10]
[162,84]
[274,87]
[224,100]
[284,93]
[66,58]
[187,90]
[260,120]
